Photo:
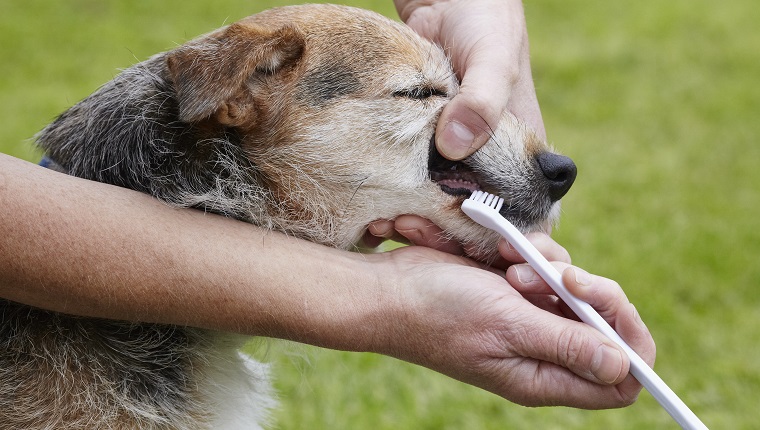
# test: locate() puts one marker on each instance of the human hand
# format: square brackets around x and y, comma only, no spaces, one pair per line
[487,41]
[488,44]
[514,339]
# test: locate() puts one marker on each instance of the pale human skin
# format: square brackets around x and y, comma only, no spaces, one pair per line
[92,249]
[87,248]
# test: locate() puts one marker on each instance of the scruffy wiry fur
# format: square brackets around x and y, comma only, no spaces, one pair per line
[311,120]
[59,371]
[128,134]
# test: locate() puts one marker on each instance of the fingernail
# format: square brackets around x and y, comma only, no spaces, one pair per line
[458,140]
[607,364]
[381,229]
[525,274]
[582,277]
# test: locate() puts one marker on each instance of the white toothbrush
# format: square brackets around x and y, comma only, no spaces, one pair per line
[484,208]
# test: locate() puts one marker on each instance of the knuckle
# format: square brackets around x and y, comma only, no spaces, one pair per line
[607,297]
[571,348]
[627,396]
[628,400]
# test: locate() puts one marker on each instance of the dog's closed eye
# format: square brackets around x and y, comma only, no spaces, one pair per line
[420,93]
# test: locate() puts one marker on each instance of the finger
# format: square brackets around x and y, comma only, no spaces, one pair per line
[550,249]
[422,232]
[603,294]
[570,344]
[467,121]
[381,230]
[488,66]
[378,232]
[542,384]
[493,64]
[632,329]
[606,296]
[524,279]
[465,124]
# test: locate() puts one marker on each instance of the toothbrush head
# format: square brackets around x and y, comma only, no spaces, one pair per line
[488,199]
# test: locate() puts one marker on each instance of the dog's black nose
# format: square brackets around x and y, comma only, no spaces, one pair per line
[559,172]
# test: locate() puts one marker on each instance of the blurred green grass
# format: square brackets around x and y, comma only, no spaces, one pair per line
[657,104]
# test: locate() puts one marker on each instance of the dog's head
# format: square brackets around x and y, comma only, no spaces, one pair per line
[322,119]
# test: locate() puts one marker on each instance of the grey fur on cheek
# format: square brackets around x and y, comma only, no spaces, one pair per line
[324,84]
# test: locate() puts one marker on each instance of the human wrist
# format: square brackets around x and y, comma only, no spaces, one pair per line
[373,304]
[338,301]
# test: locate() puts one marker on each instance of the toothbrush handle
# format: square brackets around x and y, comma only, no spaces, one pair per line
[638,368]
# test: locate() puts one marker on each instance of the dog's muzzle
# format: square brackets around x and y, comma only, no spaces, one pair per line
[557,174]
[529,205]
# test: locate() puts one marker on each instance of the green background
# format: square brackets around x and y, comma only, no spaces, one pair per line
[657,102]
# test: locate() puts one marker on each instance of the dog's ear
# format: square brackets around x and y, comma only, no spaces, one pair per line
[209,75]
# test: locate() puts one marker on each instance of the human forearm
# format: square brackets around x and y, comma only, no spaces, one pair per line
[91,249]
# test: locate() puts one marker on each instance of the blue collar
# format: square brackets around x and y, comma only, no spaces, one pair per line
[48,163]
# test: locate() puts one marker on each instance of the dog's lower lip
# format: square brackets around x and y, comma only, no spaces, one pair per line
[456,183]
[456,191]
[459,184]
[453,177]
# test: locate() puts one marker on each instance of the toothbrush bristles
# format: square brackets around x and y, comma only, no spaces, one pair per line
[490,200]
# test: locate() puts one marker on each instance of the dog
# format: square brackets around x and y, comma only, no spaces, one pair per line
[310,120]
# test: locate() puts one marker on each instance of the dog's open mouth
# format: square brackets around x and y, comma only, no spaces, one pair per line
[454,177]
[458,179]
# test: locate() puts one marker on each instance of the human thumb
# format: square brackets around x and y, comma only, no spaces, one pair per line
[577,347]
